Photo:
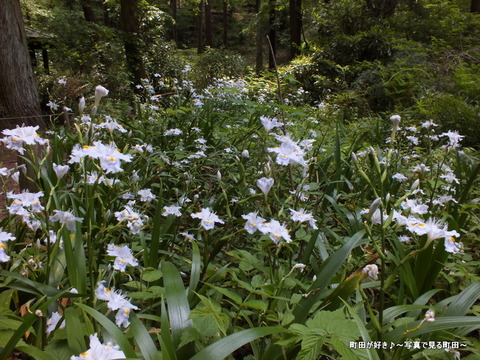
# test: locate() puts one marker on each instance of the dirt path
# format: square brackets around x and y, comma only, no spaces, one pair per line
[8,159]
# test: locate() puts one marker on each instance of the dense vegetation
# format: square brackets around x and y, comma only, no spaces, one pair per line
[326,208]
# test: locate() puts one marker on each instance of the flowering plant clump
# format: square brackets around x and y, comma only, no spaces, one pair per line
[218,215]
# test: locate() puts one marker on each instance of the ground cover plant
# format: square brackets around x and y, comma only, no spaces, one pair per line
[225,223]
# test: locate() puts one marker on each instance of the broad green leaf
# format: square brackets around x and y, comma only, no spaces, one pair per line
[150,275]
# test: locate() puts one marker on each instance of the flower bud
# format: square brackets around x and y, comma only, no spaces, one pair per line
[81,105]
[100,92]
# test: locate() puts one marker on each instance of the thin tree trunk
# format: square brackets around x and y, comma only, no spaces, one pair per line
[173,7]
[106,18]
[131,28]
[475,6]
[272,34]
[225,23]
[200,44]
[295,11]
[208,24]
[259,38]
[87,10]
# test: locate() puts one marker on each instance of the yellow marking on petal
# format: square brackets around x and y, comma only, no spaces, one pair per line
[452,239]
[86,147]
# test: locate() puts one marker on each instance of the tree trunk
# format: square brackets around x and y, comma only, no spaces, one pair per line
[475,6]
[173,7]
[106,17]
[272,34]
[131,28]
[19,101]
[208,24]
[200,44]
[225,23]
[295,11]
[18,90]
[259,38]
[88,11]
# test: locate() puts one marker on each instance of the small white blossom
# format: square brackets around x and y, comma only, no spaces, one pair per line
[265,184]
[171,210]
[208,218]
[372,271]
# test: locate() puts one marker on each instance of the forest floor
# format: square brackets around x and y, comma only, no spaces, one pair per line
[8,159]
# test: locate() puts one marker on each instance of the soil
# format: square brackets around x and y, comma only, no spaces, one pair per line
[8,159]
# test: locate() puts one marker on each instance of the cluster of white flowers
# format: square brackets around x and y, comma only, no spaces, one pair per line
[16,138]
[134,220]
[99,351]
[116,301]
[173,132]
[110,157]
[289,152]
[172,210]
[273,228]
[26,204]
[123,256]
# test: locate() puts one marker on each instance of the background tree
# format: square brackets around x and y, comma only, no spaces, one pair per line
[18,90]
[131,27]
[475,6]
[295,12]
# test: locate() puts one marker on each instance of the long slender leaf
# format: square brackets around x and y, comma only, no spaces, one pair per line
[464,301]
[112,329]
[371,353]
[143,339]
[166,340]
[28,320]
[196,269]
[75,339]
[224,347]
[326,272]
[442,323]
[151,253]
[34,352]
[177,302]
[34,287]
